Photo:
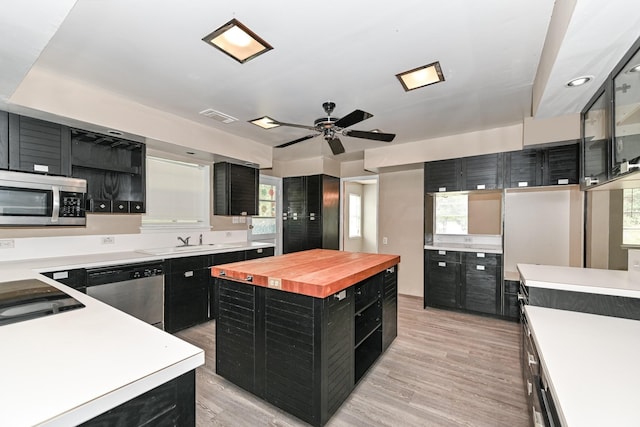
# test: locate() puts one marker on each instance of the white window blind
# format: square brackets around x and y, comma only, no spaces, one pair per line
[177,194]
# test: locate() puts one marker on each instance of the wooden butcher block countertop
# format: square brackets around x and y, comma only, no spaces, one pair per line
[317,273]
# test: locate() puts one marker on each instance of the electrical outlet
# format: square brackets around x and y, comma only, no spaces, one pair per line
[108,240]
[385,240]
[7,244]
[275,283]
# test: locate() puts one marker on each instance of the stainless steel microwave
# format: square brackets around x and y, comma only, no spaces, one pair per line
[28,199]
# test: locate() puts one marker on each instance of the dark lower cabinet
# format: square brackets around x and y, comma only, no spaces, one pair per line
[170,404]
[299,353]
[482,282]
[218,259]
[256,253]
[75,278]
[510,303]
[186,292]
[470,281]
[442,279]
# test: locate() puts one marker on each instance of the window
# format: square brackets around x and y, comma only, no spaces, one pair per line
[177,194]
[265,222]
[631,216]
[355,216]
[451,212]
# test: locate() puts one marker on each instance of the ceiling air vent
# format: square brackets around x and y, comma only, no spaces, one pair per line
[217,115]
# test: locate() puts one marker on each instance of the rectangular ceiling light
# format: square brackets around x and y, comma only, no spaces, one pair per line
[421,76]
[265,122]
[237,41]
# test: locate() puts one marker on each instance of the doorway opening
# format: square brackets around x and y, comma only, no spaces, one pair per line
[359,219]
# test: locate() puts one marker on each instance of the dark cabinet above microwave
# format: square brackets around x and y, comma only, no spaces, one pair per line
[33,145]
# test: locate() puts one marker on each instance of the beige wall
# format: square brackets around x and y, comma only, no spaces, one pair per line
[544,131]
[303,167]
[485,213]
[597,229]
[96,224]
[400,219]
[618,256]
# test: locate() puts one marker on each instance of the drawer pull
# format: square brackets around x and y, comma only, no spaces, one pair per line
[391,269]
[442,252]
[481,187]
[531,359]
[523,184]
[188,273]
[222,273]
[259,251]
[340,295]
[480,267]
[538,421]
[529,388]
[480,254]
[249,278]
[442,264]
[442,189]
[563,181]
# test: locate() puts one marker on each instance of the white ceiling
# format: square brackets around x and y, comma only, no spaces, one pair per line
[151,52]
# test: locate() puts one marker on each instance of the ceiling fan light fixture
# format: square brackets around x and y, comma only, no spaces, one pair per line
[265,122]
[237,41]
[422,76]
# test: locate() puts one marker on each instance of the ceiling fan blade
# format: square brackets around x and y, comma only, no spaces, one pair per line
[295,141]
[293,125]
[336,146]
[378,136]
[352,118]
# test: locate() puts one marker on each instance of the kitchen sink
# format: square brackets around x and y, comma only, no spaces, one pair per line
[190,248]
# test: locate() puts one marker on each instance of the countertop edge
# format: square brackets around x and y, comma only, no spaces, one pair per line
[464,248]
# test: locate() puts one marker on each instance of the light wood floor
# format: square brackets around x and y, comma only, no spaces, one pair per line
[443,369]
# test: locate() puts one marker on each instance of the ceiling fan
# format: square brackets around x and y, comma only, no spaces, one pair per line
[329,127]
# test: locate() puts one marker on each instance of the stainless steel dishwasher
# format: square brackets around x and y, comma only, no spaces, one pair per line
[136,289]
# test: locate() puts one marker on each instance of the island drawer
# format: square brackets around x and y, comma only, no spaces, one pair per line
[367,292]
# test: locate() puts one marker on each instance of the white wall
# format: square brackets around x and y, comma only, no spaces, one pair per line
[351,244]
[538,227]
[401,217]
[370,218]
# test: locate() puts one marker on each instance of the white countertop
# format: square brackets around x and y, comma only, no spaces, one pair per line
[591,364]
[465,247]
[114,258]
[66,368]
[575,279]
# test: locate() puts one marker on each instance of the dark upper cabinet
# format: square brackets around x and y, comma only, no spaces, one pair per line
[311,212]
[4,140]
[38,146]
[235,189]
[556,165]
[114,169]
[561,165]
[442,175]
[482,172]
[523,168]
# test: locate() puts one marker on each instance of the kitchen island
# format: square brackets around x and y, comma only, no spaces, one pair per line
[300,330]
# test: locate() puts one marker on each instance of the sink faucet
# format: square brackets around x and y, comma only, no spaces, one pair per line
[185,241]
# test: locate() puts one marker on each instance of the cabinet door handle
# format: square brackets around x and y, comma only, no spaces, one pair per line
[480,187]
[442,264]
[529,388]
[188,273]
[523,184]
[563,181]
[480,267]
[442,189]
[249,278]
[391,269]
[531,359]
[538,421]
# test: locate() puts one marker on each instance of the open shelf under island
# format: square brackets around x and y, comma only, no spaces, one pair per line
[300,330]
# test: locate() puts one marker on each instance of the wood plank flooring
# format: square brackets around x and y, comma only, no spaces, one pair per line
[443,369]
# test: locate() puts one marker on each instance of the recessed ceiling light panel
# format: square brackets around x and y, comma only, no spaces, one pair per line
[579,81]
[265,122]
[237,41]
[421,76]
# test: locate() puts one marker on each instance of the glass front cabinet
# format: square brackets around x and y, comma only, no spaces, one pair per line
[610,144]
